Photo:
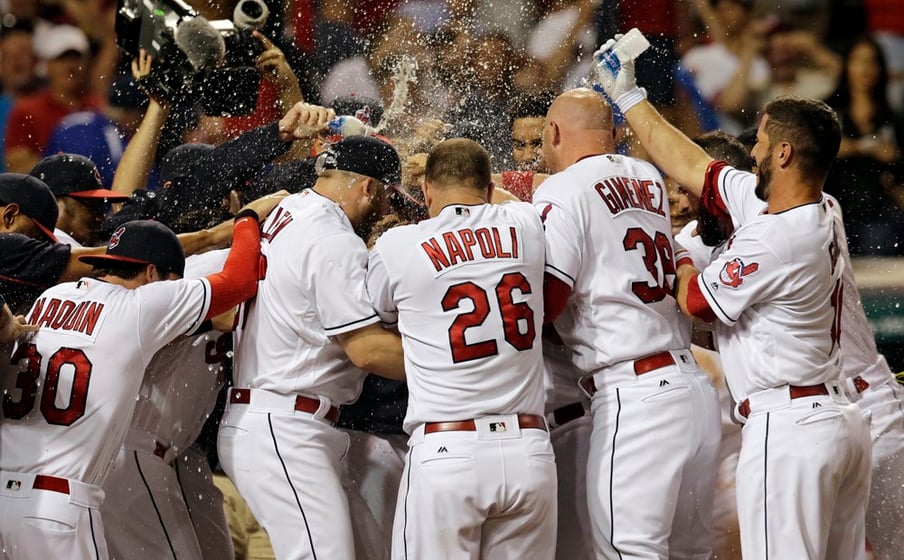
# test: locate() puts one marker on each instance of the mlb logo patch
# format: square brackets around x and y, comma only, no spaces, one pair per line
[497,426]
[13,485]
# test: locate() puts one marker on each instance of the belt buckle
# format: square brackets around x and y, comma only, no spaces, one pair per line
[501,426]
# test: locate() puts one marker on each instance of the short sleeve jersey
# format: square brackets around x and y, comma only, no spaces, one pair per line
[69,397]
[181,383]
[466,290]
[313,289]
[778,285]
[608,236]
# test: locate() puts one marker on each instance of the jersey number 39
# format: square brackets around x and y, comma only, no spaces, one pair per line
[27,381]
[513,316]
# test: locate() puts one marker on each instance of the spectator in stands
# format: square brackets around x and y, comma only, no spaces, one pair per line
[17,73]
[728,69]
[801,65]
[861,179]
[102,135]
[33,118]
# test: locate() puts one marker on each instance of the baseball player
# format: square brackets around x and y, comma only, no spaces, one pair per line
[777,292]
[65,411]
[464,289]
[145,512]
[80,195]
[868,375]
[301,346]
[609,274]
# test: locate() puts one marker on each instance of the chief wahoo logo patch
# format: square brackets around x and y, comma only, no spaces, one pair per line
[734,271]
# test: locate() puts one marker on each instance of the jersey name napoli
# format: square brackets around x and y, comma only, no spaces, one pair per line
[466,289]
[181,383]
[68,400]
[776,288]
[608,236]
[314,288]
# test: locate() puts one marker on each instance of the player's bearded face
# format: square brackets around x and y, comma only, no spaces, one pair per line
[763,177]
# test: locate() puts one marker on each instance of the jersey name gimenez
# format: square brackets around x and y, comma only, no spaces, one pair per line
[608,236]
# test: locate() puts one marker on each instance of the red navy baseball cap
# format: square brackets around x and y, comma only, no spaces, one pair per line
[73,175]
[34,199]
[142,242]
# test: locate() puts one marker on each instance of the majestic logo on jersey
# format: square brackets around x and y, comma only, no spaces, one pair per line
[114,239]
[734,271]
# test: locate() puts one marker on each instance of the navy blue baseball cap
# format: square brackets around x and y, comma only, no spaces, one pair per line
[364,155]
[34,199]
[73,175]
[142,242]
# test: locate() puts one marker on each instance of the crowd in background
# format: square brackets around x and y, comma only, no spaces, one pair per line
[66,87]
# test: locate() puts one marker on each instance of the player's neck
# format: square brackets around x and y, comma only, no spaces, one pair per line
[786,196]
[130,284]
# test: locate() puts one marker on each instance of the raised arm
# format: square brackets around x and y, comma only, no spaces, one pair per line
[672,151]
[138,158]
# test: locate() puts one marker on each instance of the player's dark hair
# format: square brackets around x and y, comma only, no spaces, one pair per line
[811,127]
[126,271]
[459,162]
[725,147]
[525,106]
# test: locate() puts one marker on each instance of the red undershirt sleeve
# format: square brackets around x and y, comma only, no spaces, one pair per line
[555,297]
[237,281]
[696,302]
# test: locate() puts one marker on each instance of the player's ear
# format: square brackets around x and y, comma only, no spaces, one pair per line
[428,193]
[786,154]
[10,211]
[555,134]
[151,274]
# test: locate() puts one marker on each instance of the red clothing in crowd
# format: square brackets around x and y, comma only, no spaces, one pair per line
[33,118]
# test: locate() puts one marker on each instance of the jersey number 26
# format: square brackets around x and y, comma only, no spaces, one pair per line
[513,314]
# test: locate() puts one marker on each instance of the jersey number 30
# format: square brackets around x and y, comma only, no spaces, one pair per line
[512,315]
[27,381]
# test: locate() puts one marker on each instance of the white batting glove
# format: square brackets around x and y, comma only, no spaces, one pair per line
[620,86]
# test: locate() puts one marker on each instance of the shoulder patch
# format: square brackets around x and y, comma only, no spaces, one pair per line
[734,271]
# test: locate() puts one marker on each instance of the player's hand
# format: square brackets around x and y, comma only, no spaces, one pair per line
[12,328]
[265,204]
[305,121]
[621,87]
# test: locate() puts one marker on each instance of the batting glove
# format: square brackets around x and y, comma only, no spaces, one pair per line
[614,71]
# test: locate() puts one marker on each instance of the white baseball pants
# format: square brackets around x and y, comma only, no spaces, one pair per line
[571,444]
[885,513]
[372,471]
[654,453]
[44,524]
[803,478]
[286,465]
[205,505]
[477,495]
[144,513]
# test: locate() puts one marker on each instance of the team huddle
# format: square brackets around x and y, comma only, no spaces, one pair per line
[556,408]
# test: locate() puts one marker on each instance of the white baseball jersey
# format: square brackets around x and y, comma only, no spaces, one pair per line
[182,381]
[778,284]
[467,290]
[314,289]
[67,410]
[608,236]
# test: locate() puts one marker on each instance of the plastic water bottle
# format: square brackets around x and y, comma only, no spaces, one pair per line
[347,125]
[632,43]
